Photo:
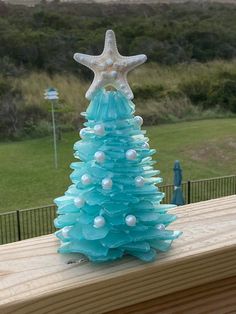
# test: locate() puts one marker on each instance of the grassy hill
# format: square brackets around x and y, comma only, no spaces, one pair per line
[27,178]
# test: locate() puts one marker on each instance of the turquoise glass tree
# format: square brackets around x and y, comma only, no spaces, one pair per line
[113,206]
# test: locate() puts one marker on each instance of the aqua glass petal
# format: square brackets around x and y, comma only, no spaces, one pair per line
[111,209]
[92,233]
[85,218]
[148,217]
[112,254]
[166,219]
[60,236]
[137,246]
[94,197]
[86,247]
[70,208]
[63,200]
[91,209]
[77,165]
[144,256]
[161,245]
[65,220]
[114,240]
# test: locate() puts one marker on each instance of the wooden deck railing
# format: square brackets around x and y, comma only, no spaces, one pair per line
[198,275]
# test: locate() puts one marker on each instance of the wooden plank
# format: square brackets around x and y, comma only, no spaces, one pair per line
[216,297]
[35,279]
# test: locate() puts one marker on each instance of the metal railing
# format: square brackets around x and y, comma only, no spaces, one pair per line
[202,190]
[27,223]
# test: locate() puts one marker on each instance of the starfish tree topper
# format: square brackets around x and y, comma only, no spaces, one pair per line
[110,68]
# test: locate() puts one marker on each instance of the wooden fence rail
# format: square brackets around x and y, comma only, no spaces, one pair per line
[198,275]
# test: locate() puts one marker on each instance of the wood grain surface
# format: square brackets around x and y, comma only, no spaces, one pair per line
[35,279]
[213,298]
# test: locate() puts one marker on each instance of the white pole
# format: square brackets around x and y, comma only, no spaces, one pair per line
[54,136]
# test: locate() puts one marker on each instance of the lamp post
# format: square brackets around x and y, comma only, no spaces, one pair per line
[51,94]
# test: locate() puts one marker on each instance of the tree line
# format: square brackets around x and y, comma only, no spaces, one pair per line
[45,37]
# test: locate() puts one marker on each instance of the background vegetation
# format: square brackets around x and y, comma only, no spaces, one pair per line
[28,179]
[191,72]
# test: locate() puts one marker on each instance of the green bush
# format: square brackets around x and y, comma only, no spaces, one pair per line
[147,91]
[10,122]
[219,91]
[10,102]
[5,86]
[39,129]
[196,90]
[223,94]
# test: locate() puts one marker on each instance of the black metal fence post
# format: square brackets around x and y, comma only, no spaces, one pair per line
[18,224]
[189,192]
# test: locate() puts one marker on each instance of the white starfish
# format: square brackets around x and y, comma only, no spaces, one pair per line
[110,68]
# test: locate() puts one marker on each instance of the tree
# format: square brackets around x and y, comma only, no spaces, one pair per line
[113,206]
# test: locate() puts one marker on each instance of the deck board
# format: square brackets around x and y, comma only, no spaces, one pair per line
[35,279]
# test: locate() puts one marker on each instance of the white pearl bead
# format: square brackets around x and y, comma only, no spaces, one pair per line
[131,154]
[109,62]
[79,202]
[139,181]
[160,227]
[107,184]
[114,74]
[86,179]
[99,222]
[130,220]
[145,145]
[99,157]
[99,129]
[138,120]
[82,132]
[65,232]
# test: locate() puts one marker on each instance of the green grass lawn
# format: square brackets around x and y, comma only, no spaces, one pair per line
[28,179]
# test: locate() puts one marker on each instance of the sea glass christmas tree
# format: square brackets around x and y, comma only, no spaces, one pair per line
[113,206]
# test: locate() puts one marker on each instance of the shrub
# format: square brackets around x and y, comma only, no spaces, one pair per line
[223,94]
[147,91]
[10,122]
[10,101]
[39,129]
[196,90]
[33,113]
